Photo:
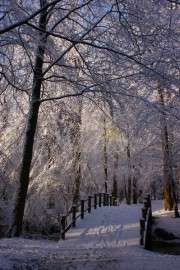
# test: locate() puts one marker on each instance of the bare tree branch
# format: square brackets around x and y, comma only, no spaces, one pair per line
[177,2]
[7,29]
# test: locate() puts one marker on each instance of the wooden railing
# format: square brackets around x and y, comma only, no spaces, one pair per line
[146,223]
[77,211]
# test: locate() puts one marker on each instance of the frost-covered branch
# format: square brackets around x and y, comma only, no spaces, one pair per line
[22,22]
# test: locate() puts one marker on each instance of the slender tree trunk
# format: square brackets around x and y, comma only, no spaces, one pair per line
[19,206]
[134,185]
[134,190]
[114,191]
[129,189]
[125,191]
[77,155]
[113,136]
[105,165]
[170,198]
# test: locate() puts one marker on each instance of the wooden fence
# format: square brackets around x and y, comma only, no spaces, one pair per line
[77,211]
[146,223]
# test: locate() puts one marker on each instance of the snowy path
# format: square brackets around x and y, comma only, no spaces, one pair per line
[106,239]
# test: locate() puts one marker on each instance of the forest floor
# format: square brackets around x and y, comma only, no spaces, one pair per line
[166,231]
[106,239]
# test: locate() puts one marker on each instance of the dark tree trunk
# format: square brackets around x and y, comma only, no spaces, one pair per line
[105,165]
[168,203]
[129,189]
[134,184]
[115,188]
[125,192]
[134,190]
[77,155]
[170,198]
[19,205]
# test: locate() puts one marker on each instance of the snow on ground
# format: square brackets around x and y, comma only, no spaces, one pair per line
[166,219]
[106,239]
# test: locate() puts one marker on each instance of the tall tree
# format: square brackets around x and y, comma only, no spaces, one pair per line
[16,226]
[170,198]
[77,151]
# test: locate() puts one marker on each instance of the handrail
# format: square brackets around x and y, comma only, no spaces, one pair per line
[69,220]
[146,223]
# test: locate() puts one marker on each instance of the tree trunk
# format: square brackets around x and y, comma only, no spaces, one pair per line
[19,205]
[77,155]
[134,190]
[168,203]
[170,198]
[114,191]
[125,191]
[134,184]
[129,189]
[105,164]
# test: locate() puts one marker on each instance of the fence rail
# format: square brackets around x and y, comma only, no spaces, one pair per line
[146,223]
[77,211]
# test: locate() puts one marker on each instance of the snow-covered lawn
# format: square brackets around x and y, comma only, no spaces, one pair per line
[106,239]
[166,219]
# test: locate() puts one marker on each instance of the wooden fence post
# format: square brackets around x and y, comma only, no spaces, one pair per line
[74,216]
[145,223]
[63,226]
[144,213]
[89,204]
[142,228]
[110,197]
[146,205]
[100,195]
[82,209]
[107,199]
[113,198]
[95,201]
[147,240]
[148,199]
[104,199]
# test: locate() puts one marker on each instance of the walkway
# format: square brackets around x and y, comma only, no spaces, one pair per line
[107,239]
